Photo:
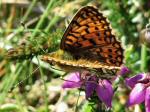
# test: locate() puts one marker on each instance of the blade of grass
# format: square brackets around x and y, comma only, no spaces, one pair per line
[29,10]
[53,21]
[9,81]
[45,87]
[45,14]
[143,58]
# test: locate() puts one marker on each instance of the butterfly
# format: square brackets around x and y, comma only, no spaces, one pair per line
[90,42]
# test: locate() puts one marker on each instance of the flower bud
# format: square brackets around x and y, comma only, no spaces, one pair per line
[145,36]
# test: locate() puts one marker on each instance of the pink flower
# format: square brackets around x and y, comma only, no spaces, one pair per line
[91,83]
[140,85]
[124,70]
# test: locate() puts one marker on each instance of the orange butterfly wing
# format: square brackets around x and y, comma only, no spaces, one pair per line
[89,36]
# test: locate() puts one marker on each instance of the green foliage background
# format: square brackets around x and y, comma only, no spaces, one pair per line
[35,27]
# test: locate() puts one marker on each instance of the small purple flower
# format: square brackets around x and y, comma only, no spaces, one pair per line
[91,83]
[124,70]
[140,85]
[73,81]
[105,92]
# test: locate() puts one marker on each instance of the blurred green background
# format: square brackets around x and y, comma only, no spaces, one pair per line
[30,28]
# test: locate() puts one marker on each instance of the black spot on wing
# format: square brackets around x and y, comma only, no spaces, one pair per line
[92,41]
[76,23]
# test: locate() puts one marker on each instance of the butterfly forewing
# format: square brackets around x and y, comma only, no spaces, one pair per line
[89,36]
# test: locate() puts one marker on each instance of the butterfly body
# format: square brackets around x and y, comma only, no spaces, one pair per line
[90,42]
[61,60]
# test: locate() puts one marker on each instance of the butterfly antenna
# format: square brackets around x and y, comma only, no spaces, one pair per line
[19,83]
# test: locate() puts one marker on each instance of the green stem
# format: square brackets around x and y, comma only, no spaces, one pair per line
[8,82]
[45,87]
[53,21]
[143,58]
[43,17]
[20,29]
[56,18]
[29,10]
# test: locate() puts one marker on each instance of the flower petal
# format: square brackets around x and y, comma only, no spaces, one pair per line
[124,70]
[134,80]
[147,100]
[137,95]
[90,87]
[105,92]
[72,81]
